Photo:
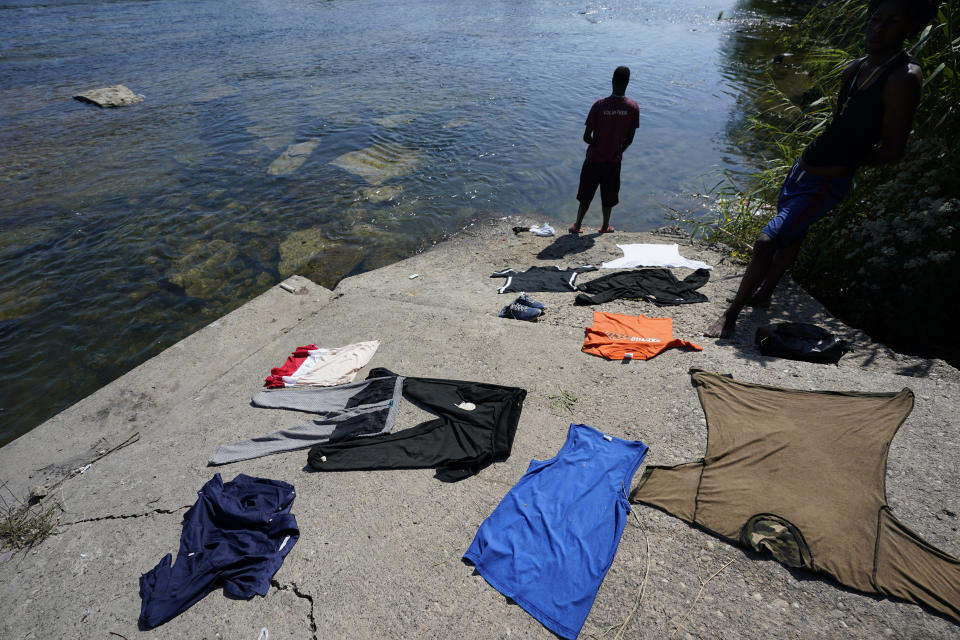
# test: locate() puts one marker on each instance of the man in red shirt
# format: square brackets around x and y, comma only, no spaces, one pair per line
[609,131]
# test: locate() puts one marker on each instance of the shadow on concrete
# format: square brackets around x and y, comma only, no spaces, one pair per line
[793,304]
[566,245]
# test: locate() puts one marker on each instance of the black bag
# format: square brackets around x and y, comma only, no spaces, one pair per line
[800,341]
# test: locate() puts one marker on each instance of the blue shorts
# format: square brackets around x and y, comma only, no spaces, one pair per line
[805,198]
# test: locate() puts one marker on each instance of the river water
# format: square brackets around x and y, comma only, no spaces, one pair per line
[320,137]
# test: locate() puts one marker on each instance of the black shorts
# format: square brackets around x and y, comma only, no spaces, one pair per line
[605,175]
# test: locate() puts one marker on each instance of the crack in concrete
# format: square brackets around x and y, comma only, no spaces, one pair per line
[300,594]
[125,517]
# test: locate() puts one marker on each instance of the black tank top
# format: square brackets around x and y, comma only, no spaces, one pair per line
[857,124]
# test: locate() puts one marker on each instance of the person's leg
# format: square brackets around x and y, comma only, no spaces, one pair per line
[581,212]
[589,181]
[763,253]
[609,193]
[606,219]
[782,259]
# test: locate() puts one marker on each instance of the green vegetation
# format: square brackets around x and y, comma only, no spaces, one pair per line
[886,259]
[23,525]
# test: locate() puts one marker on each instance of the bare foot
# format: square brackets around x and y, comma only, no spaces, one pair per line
[722,327]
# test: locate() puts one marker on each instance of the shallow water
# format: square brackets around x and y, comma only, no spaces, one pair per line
[321,137]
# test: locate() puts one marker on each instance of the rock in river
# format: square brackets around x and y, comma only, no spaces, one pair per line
[205,266]
[395,120]
[216,92]
[115,96]
[382,194]
[292,157]
[379,163]
[299,247]
[311,252]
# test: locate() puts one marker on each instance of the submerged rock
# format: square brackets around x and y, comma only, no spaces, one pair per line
[382,243]
[17,238]
[382,194]
[216,92]
[205,267]
[456,122]
[334,264]
[379,163]
[22,301]
[292,157]
[299,247]
[273,135]
[116,96]
[191,152]
[395,120]
[311,253]
[148,289]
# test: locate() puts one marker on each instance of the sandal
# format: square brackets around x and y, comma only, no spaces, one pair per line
[575,228]
[606,229]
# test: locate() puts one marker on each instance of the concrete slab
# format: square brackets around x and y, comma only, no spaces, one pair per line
[379,553]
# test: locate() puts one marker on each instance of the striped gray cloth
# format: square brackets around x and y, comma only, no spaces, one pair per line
[356,410]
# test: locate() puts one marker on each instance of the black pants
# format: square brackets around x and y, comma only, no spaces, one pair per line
[474,427]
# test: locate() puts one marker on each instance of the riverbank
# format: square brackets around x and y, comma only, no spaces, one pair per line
[379,552]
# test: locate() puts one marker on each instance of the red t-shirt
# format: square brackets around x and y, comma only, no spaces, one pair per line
[611,119]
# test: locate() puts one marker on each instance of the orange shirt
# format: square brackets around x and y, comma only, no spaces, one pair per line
[615,336]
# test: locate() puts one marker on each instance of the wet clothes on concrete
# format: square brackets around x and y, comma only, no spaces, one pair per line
[475,426]
[551,540]
[652,255]
[541,278]
[235,535]
[616,336]
[313,366]
[801,474]
[659,286]
[356,410]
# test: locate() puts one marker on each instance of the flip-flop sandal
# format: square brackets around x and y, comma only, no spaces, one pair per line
[575,228]
[606,229]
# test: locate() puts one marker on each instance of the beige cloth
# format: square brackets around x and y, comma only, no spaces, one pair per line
[816,462]
[334,366]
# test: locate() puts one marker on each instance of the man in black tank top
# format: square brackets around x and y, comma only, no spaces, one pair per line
[878,97]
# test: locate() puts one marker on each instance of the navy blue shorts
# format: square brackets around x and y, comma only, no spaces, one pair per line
[805,198]
[605,175]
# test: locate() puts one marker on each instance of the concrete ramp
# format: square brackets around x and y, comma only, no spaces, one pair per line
[379,552]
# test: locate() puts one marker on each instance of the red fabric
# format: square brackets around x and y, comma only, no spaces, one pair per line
[611,119]
[275,379]
[615,336]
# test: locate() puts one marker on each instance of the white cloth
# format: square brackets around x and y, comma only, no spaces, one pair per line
[545,230]
[330,367]
[652,255]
